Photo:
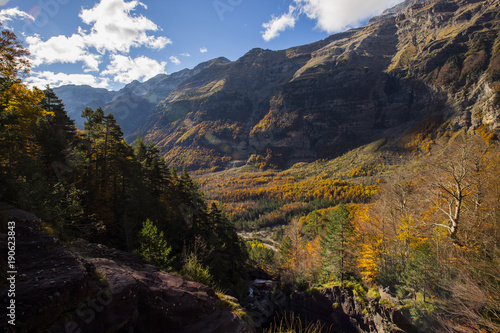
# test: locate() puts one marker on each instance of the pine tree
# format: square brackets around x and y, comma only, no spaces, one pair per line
[334,244]
[153,247]
[55,134]
[421,273]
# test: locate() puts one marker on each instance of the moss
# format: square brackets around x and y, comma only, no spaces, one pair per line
[224,303]
[387,304]
[103,282]
[373,294]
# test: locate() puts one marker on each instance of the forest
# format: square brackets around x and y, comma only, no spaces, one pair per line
[422,220]
[91,184]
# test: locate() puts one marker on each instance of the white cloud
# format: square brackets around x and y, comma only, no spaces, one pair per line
[124,69]
[115,29]
[279,24]
[330,15]
[336,15]
[185,54]
[203,50]
[175,60]
[42,79]
[10,14]
[62,49]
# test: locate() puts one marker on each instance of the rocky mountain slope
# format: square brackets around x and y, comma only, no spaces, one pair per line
[130,105]
[276,108]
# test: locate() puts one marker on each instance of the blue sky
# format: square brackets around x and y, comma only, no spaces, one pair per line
[108,43]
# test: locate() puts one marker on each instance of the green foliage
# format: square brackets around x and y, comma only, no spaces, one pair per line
[260,255]
[421,273]
[423,314]
[226,303]
[153,247]
[193,270]
[334,242]
[373,294]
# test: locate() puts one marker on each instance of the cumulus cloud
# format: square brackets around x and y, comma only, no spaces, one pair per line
[175,60]
[62,49]
[203,50]
[41,79]
[279,24]
[185,54]
[10,14]
[125,69]
[115,29]
[330,15]
[336,15]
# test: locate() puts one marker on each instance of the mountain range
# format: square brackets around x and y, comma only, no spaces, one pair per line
[433,60]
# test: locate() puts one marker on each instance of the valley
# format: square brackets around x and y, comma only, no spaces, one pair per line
[353,182]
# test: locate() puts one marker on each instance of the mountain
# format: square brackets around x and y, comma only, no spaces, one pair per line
[130,105]
[434,58]
[437,60]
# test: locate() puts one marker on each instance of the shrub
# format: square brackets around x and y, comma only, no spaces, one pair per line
[193,270]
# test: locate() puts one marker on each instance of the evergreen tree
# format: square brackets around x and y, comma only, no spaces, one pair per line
[55,134]
[229,251]
[153,247]
[421,273]
[334,243]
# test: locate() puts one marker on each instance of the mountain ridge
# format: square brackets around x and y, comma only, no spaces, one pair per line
[276,108]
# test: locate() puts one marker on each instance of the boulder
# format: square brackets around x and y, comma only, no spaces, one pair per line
[84,287]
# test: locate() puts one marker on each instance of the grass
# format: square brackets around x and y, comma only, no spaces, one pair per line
[291,323]
[226,303]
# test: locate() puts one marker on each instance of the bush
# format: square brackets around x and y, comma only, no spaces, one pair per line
[193,270]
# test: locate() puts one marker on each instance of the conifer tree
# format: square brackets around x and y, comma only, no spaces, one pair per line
[55,133]
[334,243]
[153,247]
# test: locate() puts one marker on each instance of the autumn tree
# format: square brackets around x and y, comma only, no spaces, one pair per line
[19,113]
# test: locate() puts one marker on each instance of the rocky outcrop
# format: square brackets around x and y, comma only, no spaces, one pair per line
[339,309]
[83,287]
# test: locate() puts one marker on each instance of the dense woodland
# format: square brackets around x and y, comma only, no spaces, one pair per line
[425,224]
[91,184]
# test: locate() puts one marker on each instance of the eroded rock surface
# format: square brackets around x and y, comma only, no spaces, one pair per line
[83,287]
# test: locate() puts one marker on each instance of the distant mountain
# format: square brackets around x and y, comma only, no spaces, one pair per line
[130,105]
[420,59]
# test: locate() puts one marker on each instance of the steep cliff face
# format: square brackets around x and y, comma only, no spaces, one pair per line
[319,100]
[340,309]
[130,105]
[416,60]
[454,46]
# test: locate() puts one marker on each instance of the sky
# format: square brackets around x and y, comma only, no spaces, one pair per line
[109,43]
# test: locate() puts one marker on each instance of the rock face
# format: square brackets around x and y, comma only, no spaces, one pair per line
[130,105]
[319,100]
[90,288]
[339,310]
[416,60]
